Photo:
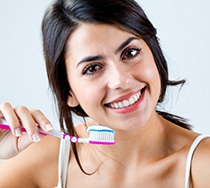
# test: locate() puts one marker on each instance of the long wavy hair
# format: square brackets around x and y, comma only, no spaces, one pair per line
[63,17]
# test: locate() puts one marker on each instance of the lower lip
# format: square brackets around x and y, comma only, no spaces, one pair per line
[132,107]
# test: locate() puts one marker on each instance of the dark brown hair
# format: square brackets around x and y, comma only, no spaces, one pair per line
[63,17]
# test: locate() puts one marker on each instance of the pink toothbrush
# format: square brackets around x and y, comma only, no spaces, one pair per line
[97,134]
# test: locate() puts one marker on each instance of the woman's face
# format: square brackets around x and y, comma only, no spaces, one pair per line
[112,75]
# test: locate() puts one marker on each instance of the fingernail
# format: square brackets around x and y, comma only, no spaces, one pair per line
[35,137]
[18,132]
[49,127]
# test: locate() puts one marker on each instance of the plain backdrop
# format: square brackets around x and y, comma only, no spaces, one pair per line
[184,31]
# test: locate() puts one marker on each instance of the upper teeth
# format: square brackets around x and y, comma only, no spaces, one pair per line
[126,103]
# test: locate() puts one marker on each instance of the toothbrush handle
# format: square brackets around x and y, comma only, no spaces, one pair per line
[52,133]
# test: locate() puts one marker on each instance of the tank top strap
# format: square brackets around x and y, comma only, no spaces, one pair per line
[63,161]
[189,158]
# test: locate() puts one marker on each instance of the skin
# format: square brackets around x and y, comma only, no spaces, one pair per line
[149,151]
[117,75]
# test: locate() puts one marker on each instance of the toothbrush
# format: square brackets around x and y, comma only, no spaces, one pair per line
[97,134]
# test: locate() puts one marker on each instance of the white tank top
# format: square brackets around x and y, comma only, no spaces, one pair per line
[64,154]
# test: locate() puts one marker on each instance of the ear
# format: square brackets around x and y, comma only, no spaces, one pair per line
[72,101]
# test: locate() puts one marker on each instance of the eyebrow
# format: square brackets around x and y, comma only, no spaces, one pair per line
[90,58]
[125,43]
[99,57]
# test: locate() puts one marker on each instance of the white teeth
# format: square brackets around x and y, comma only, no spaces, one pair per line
[120,104]
[126,103]
[131,100]
[115,105]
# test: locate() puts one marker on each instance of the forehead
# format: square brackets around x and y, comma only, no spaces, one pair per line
[91,36]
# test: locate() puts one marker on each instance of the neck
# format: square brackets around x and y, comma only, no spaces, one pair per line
[143,144]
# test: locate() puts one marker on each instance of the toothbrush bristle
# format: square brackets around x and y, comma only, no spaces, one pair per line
[101,135]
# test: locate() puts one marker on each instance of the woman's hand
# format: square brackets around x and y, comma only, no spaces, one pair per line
[14,141]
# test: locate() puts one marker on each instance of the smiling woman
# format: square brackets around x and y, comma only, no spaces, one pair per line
[104,62]
[113,49]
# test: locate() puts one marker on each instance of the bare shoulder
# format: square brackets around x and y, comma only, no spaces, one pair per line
[200,169]
[34,167]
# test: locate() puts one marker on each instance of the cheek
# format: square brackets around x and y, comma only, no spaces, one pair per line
[87,94]
[151,75]
[149,71]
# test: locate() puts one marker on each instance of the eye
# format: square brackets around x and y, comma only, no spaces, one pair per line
[130,53]
[92,69]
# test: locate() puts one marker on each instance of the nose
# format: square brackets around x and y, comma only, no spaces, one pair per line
[119,77]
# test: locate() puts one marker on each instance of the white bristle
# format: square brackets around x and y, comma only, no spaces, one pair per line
[99,133]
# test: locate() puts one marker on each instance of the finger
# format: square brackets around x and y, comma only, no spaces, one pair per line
[1,115]
[41,120]
[11,145]
[8,147]
[8,113]
[28,122]
[23,142]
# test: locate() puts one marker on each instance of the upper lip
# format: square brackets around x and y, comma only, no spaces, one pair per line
[124,97]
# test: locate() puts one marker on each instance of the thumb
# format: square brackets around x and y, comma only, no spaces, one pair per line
[24,141]
[8,146]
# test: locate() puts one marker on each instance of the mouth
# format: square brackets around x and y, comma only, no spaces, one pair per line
[126,102]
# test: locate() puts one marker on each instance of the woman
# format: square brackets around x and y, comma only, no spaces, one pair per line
[104,61]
